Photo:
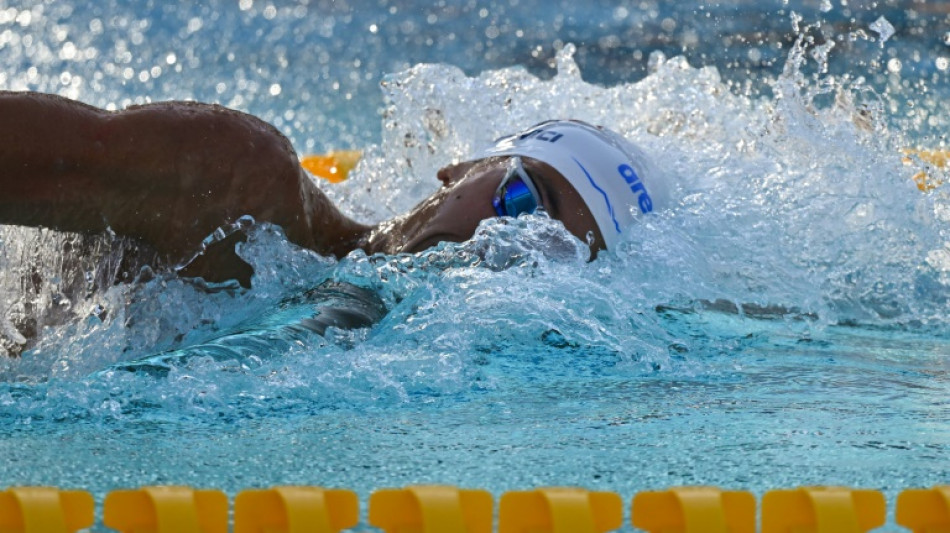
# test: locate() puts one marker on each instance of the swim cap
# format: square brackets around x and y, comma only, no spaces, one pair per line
[609,172]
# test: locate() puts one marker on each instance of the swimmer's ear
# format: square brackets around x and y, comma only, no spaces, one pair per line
[452,173]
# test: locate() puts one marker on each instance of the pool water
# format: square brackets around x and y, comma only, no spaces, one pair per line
[783,322]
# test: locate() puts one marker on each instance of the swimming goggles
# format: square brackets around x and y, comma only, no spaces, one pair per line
[516,194]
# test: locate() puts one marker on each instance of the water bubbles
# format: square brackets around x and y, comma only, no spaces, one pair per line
[24,18]
[274,89]
[98,310]
[858,35]
[195,24]
[946,38]
[796,22]
[610,41]
[942,63]
[656,60]
[68,51]
[894,65]
[883,28]
[825,6]
[821,54]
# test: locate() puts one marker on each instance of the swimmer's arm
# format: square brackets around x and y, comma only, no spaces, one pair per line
[168,174]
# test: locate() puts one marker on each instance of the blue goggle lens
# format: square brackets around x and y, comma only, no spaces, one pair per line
[516,199]
[515,195]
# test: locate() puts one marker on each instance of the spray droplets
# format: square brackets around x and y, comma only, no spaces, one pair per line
[883,28]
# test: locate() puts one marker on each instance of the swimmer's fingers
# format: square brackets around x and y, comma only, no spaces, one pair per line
[332,166]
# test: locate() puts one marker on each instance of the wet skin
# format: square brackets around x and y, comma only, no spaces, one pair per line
[169,174]
[465,199]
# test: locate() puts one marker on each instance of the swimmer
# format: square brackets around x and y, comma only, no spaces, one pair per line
[169,174]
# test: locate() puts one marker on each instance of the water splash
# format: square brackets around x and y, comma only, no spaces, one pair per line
[883,28]
[808,183]
[796,205]
[702,351]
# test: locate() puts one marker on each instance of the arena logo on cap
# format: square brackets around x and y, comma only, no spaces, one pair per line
[636,187]
[541,134]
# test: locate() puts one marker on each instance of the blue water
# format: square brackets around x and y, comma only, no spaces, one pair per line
[783,323]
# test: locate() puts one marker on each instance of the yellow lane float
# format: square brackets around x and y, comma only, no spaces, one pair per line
[336,165]
[332,166]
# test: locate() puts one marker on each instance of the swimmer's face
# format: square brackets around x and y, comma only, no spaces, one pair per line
[465,199]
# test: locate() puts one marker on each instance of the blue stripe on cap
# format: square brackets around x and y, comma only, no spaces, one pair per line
[610,208]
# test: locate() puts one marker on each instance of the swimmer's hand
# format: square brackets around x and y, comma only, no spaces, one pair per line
[218,262]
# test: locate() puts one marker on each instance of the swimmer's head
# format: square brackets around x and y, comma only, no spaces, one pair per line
[615,179]
[591,179]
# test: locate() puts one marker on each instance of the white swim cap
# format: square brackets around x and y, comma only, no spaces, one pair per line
[615,179]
